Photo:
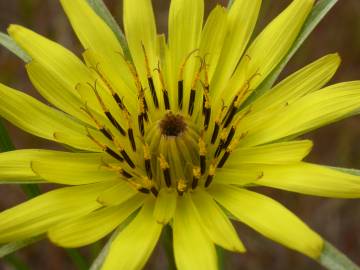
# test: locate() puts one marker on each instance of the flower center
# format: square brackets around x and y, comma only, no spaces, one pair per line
[172,124]
[170,140]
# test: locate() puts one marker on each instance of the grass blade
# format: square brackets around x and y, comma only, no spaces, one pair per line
[9,43]
[333,259]
[14,246]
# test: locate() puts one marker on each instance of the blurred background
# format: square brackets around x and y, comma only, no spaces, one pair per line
[338,221]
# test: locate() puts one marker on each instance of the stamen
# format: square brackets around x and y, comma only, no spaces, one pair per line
[108,85]
[164,91]
[181,186]
[101,128]
[220,147]
[202,152]
[237,101]
[215,132]
[117,169]
[127,158]
[144,190]
[150,79]
[207,113]
[125,173]
[164,166]
[154,191]
[180,93]
[181,80]
[233,128]
[217,125]
[229,137]
[147,158]
[106,110]
[105,148]
[149,185]
[141,124]
[130,131]
[115,123]
[193,89]
[211,174]
[227,154]
[131,138]
[196,177]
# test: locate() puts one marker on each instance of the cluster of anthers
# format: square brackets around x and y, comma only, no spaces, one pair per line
[177,143]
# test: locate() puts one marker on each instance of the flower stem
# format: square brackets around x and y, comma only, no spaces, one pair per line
[167,242]
[333,259]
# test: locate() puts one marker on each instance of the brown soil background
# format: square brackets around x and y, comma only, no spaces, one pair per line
[336,220]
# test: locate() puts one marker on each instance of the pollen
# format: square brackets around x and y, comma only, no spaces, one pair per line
[177,137]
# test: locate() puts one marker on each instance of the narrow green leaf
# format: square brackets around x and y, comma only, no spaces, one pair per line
[319,11]
[346,170]
[101,9]
[9,43]
[14,246]
[5,141]
[333,259]
[77,258]
[167,239]
[98,262]
[15,262]
[31,190]
[22,182]
[230,3]
[221,257]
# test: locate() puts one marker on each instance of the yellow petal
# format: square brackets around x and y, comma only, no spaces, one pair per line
[134,245]
[308,79]
[95,35]
[269,47]
[242,175]
[215,222]
[311,179]
[57,89]
[123,85]
[185,25]
[37,118]
[72,168]
[15,165]
[275,153]
[269,218]
[57,65]
[93,226]
[80,142]
[140,29]
[213,37]
[37,215]
[242,18]
[165,205]
[91,30]
[193,249]
[117,194]
[316,109]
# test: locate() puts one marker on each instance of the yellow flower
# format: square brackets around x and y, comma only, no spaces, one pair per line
[166,136]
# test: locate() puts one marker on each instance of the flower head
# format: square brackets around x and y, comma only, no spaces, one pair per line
[165,133]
